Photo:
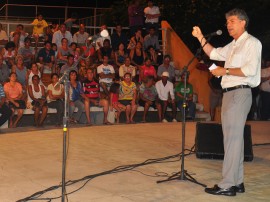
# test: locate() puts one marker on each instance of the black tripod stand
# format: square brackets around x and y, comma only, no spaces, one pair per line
[183,174]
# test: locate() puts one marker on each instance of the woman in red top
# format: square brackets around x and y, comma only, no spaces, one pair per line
[147,70]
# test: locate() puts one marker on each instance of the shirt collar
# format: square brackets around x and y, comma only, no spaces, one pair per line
[241,38]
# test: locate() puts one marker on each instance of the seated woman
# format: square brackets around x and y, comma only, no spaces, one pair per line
[14,94]
[38,101]
[33,71]
[147,70]
[148,97]
[9,53]
[62,53]
[134,39]
[153,55]
[137,56]
[120,55]
[127,97]
[55,97]
[75,98]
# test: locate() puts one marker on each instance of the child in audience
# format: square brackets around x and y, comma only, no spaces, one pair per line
[114,103]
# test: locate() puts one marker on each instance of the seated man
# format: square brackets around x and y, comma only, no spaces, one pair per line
[179,92]
[106,75]
[60,34]
[28,53]
[46,58]
[151,40]
[81,36]
[91,91]
[167,67]
[106,50]
[148,97]
[71,65]
[4,109]
[164,89]
[127,67]
[18,36]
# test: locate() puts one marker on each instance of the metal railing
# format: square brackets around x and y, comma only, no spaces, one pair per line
[93,16]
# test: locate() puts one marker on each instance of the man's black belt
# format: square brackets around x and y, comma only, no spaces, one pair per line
[234,88]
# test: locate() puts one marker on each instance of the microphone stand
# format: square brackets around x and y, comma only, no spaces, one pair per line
[65,80]
[183,174]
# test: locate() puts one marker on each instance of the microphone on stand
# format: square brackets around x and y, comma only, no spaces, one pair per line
[217,33]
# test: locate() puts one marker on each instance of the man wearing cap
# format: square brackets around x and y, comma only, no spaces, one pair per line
[164,88]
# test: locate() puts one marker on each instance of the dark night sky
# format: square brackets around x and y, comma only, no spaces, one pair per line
[89,3]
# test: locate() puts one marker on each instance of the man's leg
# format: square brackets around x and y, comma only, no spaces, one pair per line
[235,107]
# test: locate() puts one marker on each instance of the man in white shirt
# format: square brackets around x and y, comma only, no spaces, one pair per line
[152,14]
[81,36]
[60,34]
[166,96]
[106,75]
[18,36]
[241,72]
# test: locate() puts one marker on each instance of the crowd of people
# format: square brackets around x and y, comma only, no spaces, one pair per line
[115,72]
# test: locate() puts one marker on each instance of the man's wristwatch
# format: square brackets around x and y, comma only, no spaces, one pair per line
[227,71]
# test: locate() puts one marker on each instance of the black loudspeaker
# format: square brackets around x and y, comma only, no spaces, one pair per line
[209,141]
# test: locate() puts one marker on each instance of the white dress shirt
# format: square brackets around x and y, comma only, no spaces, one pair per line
[244,53]
[164,91]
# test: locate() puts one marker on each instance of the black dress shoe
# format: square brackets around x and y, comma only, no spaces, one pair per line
[240,188]
[219,191]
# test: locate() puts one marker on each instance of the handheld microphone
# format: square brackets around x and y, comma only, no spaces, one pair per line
[217,33]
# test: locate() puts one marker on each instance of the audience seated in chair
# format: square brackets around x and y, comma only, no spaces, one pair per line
[55,98]
[14,97]
[60,34]
[39,28]
[166,96]
[167,67]
[128,96]
[118,37]
[81,36]
[91,91]
[106,75]
[46,58]
[190,106]
[37,98]
[149,97]
[28,53]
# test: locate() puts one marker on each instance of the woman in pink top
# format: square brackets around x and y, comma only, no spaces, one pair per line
[14,94]
[147,70]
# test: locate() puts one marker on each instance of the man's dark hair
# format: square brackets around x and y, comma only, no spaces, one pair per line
[241,14]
